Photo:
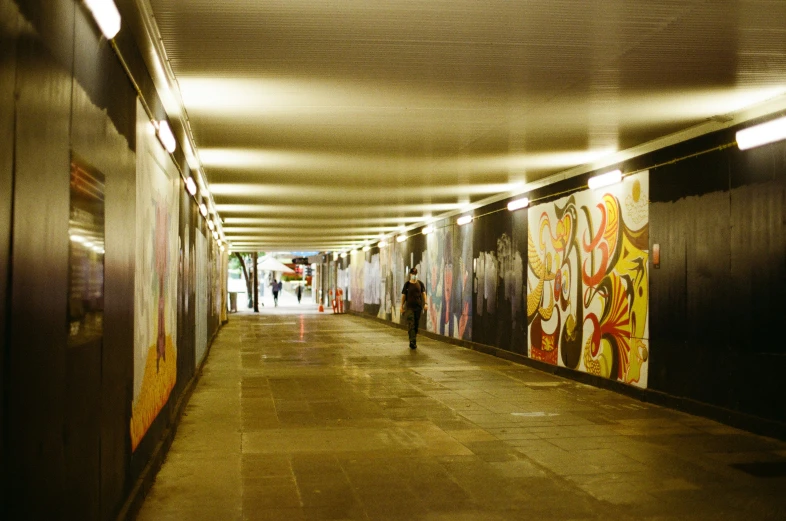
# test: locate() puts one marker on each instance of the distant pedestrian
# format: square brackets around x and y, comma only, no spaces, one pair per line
[413,301]
[299,293]
[274,287]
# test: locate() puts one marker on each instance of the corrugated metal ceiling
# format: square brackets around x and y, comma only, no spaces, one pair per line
[370,115]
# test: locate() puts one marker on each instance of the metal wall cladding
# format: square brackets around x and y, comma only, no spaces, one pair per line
[66,443]
[186,291]
[721,225]
[497,320]
[9,26]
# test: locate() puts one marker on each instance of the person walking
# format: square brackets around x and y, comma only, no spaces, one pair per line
[413,301]
[299,293]
[274,287]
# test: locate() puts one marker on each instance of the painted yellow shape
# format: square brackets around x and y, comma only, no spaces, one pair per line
[156,387]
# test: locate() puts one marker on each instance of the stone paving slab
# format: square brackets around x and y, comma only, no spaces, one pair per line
[320,417]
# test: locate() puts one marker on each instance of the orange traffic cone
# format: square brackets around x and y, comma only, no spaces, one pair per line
[321,308]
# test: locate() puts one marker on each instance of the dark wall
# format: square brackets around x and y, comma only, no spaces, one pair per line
[108,144]
[9,26]
[186,291]
[65,446]
[501,322]
[36,361]
[721,225]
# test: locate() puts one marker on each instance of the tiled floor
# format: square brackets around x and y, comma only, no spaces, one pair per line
[317,416]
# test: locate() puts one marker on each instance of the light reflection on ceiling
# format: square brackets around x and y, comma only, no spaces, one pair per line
[323,125]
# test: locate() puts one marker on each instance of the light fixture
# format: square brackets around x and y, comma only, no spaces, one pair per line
[464,219]
[106,16]
[165,136]
[215,235]
[203,209]
[401,238]
[382,244]
[518,204]
[428,229]
[78,238]
[335,255]
[221,248]
[343,255]
[366,248]
[211,225]
[758,135]
[191,186]
[609,178]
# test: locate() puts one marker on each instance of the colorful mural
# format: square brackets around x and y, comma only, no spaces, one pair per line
[587,281]
[201,307]
[357,286]
[155,304]
[447,263]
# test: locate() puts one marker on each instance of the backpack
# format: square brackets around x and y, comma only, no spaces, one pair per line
[415,294]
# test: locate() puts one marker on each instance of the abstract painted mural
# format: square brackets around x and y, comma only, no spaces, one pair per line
[587,281]
[155,296]
[447,262]
[357,286]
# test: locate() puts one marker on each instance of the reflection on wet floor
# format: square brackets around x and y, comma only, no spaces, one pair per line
[314,416]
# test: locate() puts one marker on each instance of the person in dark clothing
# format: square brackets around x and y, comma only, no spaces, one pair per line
[413,301]
[274,286]
[299,293]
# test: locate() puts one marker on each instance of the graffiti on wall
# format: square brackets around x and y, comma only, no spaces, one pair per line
[447,264]
[357,286]
[587,281]
[201,297]
[371,280]
[500,271]
[155,294]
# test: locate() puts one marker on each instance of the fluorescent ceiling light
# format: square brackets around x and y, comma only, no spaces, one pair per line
[166,137]
[464,219]
[427,230]
[366,248]
[609,178]
[106,15]
[203,209]
[401,238]
[769,132]
[221,248]
[191,186]
[215,235]
[210,224]
[382,244]
[518,204]
[343,255]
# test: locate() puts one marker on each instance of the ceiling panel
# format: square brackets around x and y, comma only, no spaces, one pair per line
[351,112]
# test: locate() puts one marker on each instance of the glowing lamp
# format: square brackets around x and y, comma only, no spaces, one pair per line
[609,178]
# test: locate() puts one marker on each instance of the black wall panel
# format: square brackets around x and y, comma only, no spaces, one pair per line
[9,23]
[102,107]
[720,222]
[37,350]
[186,294]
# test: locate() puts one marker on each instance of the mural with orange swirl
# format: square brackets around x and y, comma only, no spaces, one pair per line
[588,281]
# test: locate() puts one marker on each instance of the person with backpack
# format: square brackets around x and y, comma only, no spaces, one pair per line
[413,301]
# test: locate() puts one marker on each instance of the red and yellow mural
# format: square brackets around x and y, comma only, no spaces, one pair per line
[587,281]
